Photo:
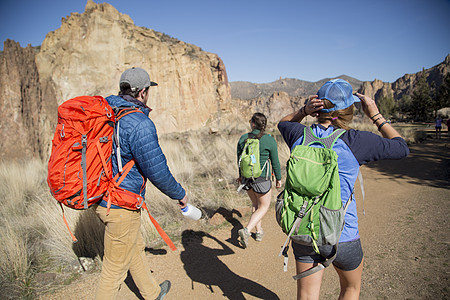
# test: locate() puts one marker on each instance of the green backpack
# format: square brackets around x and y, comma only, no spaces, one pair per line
[310,210]
[249,165]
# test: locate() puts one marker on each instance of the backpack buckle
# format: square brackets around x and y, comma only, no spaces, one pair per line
[302,211]
[140,202]
[62,134]
[103,139]
[285,259]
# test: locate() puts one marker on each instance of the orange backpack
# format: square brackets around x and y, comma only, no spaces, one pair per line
[80,169]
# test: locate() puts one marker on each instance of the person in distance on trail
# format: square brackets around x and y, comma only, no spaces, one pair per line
[124,245]
[333,106]
[259,190]
[438,127]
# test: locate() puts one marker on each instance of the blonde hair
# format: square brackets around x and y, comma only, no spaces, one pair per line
[339,118]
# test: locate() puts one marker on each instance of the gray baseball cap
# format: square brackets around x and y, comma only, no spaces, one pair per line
[137,78]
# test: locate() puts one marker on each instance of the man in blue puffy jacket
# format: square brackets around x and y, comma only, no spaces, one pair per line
[138,140]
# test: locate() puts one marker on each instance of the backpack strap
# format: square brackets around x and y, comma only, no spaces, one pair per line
[328,142]
[121,112]
[267,170]
[84,167]
[74,239]
[303,211]
[161,232]
[361,184]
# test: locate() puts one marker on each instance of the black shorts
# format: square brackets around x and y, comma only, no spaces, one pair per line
[348,258]
[260,185]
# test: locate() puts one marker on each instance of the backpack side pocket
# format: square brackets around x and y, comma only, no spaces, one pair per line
[331,225]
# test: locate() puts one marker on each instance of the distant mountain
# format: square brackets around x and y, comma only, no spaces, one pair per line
[286,95]
[294,87]
[376,89]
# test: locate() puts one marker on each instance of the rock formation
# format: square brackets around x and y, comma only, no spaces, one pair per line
[274,107]
[405,84]
[377,89]
[27,105]
[87,54]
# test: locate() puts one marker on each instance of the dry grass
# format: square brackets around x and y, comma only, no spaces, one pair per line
[22,229]
[35,239]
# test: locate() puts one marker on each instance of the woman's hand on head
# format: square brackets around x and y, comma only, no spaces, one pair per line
[313,106]
[368,105]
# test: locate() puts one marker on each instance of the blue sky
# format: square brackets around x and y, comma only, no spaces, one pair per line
[259,41]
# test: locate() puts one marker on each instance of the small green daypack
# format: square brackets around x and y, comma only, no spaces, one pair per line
[310,210]
[249,165]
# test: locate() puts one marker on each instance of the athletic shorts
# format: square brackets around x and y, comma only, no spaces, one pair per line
[260,185]
[348,258]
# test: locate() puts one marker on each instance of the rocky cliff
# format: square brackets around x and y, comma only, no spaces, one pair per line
[27,105]
[86,56]
[405,84]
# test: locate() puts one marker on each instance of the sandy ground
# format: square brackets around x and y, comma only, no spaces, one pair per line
[405,236]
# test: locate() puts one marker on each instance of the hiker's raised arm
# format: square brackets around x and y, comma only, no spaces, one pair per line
[312,106]
[371,110]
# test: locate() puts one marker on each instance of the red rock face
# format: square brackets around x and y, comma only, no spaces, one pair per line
[28,107]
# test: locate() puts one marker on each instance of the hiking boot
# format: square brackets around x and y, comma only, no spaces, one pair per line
[244,235]
[259,236]
[165,287]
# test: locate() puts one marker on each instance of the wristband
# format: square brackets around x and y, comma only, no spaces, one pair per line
[381,125]
[374,121]
[304,111]
[374,116]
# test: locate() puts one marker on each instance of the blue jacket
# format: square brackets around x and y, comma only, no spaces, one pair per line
[138,139]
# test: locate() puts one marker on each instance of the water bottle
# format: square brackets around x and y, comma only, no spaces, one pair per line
[191,212]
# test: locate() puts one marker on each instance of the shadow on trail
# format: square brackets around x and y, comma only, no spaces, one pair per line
[228,216]
[203,266]
[427,164]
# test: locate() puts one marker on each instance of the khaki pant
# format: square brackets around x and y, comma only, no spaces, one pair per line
[124,250]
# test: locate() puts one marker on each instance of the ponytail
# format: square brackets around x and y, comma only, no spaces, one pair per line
[260,122]
[339,118]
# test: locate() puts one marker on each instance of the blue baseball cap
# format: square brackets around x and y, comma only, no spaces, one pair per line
[339,92]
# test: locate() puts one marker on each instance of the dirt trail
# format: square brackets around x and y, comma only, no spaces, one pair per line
[405,236]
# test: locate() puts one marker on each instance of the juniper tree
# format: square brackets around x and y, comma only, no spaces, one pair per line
[422,102]
[442,98]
